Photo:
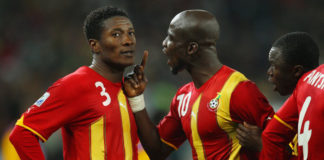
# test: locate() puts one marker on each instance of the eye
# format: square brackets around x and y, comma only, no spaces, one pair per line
[115,35]
[132,33]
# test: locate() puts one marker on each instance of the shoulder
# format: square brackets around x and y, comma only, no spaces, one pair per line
[233,76]
[78,77]
[182,92]
[247,88]
[187,87]
[76,81]
[235,80]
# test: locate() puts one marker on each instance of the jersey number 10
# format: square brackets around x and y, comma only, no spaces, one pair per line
[184,100]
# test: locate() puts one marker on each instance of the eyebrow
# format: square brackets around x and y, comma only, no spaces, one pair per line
[170,34]
[119,29]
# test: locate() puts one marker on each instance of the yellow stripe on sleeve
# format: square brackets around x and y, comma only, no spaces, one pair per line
[20,123]
[197,144]
[169,144]
[283,122]
[126,126]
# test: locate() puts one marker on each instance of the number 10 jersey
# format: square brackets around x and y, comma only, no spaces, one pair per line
[208,116]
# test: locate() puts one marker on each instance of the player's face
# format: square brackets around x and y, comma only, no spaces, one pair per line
[280,73]
[118,42]
[174,48]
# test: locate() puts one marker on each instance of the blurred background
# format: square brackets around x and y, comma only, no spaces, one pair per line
[41,41]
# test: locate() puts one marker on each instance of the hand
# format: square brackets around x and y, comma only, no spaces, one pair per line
[135,82]
[249,136]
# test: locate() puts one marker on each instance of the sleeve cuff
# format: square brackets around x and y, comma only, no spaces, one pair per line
[20,123]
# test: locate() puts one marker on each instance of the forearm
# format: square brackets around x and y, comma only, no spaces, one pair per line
[275,140]
[26,144]
[150,137]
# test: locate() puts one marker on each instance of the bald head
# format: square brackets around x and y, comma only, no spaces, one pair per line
[196,25]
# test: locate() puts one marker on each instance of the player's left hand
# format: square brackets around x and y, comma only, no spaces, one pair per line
[249,136]
[135,82]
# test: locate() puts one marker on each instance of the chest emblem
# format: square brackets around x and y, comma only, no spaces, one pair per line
[214,103]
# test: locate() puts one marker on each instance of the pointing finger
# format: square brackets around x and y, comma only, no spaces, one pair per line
[144,59]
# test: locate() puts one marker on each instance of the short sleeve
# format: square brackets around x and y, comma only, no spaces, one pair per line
[50,112]
[170,128]
[250,105]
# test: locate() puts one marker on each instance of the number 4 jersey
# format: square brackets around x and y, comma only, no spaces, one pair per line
[208,116]
[96,120]
[302,113]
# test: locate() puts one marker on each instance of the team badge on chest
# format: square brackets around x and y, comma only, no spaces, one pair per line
[214,103]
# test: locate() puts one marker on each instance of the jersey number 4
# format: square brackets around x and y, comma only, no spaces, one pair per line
[303,138]
[103,93]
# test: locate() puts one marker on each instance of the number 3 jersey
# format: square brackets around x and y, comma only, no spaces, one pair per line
[302,113]
[96,120]
[208,116]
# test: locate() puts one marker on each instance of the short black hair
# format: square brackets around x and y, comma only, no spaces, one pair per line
[93,24]
[299,48]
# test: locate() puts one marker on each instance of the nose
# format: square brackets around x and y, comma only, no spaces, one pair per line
[164,42]
[164,45]
[129,40]
[270,74]
[269,71]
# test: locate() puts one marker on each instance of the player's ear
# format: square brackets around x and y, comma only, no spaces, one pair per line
[192,48]
[298,71]
[94,45]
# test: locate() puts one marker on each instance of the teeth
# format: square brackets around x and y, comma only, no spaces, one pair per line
[127,52]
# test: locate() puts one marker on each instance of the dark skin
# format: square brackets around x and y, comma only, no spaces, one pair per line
[249,136]
[111,54]
[189,46]
[199,56]
[284,77]
[134,85]
[114,51]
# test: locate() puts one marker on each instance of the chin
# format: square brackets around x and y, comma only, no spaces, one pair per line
[176,69]
[122,66]
[174,72]
[129,63]
[284,93]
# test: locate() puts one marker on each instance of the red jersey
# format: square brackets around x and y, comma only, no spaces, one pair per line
[208,116]
[95,117]
[302,113]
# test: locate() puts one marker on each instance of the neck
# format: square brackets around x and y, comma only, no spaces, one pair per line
[204,68]
[106,71]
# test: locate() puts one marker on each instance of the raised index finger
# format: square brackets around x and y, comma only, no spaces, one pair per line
[144,59]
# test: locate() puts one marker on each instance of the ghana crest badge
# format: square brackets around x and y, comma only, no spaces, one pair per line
[214,103]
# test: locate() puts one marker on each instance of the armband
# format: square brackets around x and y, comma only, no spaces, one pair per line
[137,103]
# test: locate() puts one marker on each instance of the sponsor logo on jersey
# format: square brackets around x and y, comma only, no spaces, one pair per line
[214,103]
[42,99]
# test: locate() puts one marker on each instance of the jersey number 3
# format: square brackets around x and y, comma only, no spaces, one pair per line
[103,93]
[303,138]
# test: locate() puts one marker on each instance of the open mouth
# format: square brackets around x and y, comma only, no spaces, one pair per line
[127,53]
[169,62]
[274,88]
